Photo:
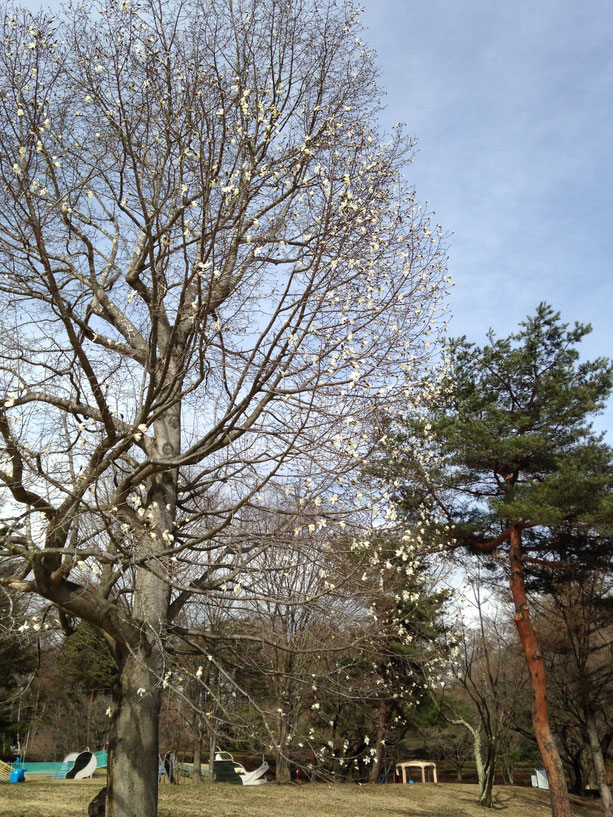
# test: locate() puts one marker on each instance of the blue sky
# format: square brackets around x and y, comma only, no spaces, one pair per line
[512,104]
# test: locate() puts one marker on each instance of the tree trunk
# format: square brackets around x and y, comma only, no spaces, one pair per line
[487,782]
[507,767]
[196,768]
[375,769]
[133,748]
[560,805]
[89,718]
[577,776]
[480,766]
[476,736]
[599,767]
[282,773]
[212,750]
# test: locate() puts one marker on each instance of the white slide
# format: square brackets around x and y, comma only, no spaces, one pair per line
[255,778]
[85,764]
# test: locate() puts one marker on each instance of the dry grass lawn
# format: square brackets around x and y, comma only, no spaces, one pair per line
[68,798]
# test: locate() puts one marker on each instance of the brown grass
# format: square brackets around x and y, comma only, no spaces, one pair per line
[69,798]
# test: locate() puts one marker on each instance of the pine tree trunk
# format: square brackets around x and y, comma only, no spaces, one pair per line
[375,769]
[599,767]
[560,805]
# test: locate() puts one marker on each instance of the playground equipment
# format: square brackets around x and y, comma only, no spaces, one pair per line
[84,765]
[226,770]
[75,766]
[539,779]
[426,767]
[10,774]
[186,770]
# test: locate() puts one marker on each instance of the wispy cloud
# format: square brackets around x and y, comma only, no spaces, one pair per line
[511,102]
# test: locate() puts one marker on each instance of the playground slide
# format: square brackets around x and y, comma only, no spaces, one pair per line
[60,771]
[255,778]
[84,766]
[226,770]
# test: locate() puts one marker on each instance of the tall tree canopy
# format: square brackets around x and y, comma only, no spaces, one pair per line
[212,272]
[507,461]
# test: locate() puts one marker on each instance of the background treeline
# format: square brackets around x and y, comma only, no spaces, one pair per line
[338,673]
[459,695]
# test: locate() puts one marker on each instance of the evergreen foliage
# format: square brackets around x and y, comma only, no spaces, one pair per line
[514,445]
[509,461]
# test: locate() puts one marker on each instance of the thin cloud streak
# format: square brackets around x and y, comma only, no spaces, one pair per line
[511,103]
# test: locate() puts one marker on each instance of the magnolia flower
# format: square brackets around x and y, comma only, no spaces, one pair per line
[141,429]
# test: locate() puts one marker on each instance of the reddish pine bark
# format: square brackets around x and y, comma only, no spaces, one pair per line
[560,805]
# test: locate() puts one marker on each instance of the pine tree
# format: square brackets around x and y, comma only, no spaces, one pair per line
[509,461]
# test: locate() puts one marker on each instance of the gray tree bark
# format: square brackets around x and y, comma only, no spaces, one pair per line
[599,766]
[197,766]
[282,774]
[212,750]
[486,783]
[375,770]
[133,748]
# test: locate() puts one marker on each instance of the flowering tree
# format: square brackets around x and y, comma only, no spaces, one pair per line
[212,274]
[326,647]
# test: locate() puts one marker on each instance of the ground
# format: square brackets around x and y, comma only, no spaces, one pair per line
[69,798]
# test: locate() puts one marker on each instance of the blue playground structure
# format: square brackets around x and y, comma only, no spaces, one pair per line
[75,766]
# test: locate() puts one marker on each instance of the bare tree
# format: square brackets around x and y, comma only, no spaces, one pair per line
[488,676]
[212,273]
[579,648]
